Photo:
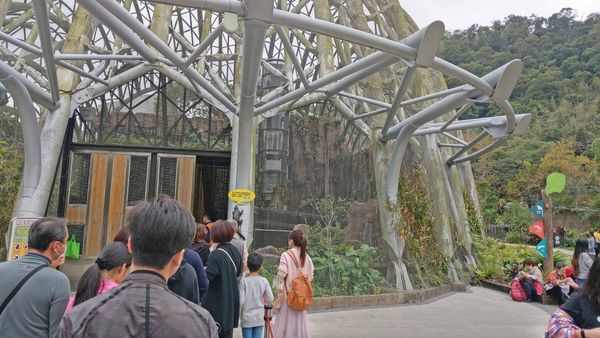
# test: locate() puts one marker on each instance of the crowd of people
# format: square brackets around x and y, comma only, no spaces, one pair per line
[162,276]
[576,288]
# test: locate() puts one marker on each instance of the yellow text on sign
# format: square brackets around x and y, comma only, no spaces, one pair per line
[241,195]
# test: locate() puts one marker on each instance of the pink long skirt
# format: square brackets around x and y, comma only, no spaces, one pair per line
[290,323]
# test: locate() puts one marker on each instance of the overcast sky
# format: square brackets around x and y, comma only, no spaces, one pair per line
[460,14]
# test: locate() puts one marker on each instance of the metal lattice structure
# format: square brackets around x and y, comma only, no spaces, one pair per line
[101,58]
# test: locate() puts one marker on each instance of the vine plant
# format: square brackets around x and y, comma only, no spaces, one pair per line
[422,252]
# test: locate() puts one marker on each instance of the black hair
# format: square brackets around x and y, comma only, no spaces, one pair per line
[159,229]
[255,261]
[299,240]
[591,288]
[45,231]
[113,255]
[581,246]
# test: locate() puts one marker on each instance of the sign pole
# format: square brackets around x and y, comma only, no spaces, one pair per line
[549,260]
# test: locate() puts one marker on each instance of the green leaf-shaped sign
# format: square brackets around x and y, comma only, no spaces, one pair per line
[555,182]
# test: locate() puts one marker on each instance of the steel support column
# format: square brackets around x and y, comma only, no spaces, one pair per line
[41,16]
[243,160]
[30,130]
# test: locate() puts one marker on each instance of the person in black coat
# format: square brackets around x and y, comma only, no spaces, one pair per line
[222,299]
[200,245]
[185,283]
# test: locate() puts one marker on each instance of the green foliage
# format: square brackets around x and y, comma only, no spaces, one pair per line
[517,215]
[488,203]
[331,209]
[474,224]
[11,165]
[340,268]
[429,266]
[501,261]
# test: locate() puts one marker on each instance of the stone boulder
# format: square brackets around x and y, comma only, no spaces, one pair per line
[270,254]
[305,228]
[363,224]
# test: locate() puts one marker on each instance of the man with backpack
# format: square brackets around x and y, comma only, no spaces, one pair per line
[34,296]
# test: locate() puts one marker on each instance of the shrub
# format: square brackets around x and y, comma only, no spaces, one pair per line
[340,268]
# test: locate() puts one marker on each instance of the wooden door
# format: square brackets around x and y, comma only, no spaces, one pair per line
[103,186]
[175,178]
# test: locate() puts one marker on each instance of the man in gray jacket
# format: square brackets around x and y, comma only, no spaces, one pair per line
[143,306]
[35,309]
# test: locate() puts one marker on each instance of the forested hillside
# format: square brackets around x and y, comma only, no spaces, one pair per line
[560,87]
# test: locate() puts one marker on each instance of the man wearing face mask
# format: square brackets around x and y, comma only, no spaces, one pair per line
[34,295]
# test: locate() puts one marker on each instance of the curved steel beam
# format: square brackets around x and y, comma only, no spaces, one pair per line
[349,34]
[37,93]
[409,126]
[30,129]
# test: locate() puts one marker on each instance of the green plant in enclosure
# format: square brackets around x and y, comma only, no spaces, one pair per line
[423,256]
[501,261]
[474,223]
[11,164]
[341,268]
[518,216]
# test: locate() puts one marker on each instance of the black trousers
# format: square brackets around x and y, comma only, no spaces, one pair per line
[226,334]
[557,294]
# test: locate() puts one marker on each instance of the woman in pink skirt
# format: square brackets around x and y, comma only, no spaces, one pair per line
[290,323]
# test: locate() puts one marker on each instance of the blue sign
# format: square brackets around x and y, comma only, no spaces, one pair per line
[541,248]
[538,209]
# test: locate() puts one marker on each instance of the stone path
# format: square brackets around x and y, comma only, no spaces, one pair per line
[477,313]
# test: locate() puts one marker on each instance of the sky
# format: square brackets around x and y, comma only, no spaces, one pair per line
[460,14]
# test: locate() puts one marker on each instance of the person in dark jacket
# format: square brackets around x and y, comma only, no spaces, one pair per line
[222,299]
[185,283]
[200,245]
[194,259]
[143,306]
[183,278]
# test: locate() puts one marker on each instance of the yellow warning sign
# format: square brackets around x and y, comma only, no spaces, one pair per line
[18,237]
[241,195]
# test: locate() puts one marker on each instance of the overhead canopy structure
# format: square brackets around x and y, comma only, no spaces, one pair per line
[66,54]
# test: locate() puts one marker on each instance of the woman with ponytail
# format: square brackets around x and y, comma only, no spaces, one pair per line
[109,270]
[290,323]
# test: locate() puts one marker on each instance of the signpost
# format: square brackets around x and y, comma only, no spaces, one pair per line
[18,236]
[537,228]
[538,209]
[541,247]
[242,199]
[555,183]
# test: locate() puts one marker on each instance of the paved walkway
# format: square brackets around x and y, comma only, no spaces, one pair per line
[477,313]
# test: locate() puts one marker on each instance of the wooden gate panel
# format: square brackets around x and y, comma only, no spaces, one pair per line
[93,231]
[118,188]
[185,181]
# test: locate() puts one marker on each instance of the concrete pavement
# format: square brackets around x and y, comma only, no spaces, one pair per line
[477,313]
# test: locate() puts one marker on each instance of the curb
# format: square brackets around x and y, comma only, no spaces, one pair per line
[396,298]
[495,286]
